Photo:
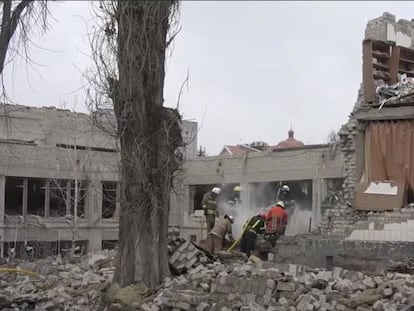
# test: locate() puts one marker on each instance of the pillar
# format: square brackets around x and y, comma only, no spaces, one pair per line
[319,190]
[94,215]
[2,207]
[2,198]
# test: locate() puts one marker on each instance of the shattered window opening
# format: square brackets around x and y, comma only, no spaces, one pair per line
[82,194]
[197,192]
[58,198]
[14,196]
[36,197]
[109,199]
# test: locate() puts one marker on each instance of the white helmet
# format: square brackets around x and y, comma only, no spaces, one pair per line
[216,190]
[285,188]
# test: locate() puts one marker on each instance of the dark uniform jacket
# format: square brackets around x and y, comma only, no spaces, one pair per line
[256,224]
[209,204]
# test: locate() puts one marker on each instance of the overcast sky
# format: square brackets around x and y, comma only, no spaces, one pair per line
[255,68]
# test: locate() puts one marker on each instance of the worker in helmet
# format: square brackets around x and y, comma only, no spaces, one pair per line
[235,200]
[276,222]
[209,204]
[255,226]
[285,197]
[284,193]
[215,237]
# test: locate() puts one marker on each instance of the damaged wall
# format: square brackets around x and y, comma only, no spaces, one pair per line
[387,28]
[39,166]
[339,217]
[315,164]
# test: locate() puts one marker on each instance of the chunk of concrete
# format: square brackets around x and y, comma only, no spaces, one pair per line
[286,286]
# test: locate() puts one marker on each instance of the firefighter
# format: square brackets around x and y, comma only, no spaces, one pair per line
[209,205]
[235,200]
[255,226]
[276,222]
[215,237]
[285,197]
[284,194]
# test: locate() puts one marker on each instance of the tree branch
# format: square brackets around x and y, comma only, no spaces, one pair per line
[17,14]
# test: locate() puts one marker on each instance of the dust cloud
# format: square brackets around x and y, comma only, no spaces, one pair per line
[298,220]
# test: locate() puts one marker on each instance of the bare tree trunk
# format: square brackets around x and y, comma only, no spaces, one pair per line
[149,137]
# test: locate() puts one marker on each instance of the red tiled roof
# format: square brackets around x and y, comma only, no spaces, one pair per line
[239,149]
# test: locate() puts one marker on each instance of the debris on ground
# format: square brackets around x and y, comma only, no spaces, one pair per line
[405,266]
[56,283]
[230,281]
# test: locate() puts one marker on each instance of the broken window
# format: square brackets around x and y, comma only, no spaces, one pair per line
[109,189]
[14,196]
[109,244]
[58,197]
[81,190]
[36,197]
[197,192]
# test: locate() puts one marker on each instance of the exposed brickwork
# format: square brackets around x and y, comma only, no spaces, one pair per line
[339,218]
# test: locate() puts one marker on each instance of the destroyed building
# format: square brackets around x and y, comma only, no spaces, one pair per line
[373,222]
[55,164]
[313,173]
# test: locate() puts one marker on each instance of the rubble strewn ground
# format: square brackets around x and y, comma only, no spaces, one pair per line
[223,282]
[56,284]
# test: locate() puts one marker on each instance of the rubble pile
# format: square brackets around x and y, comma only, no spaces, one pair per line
[56,284]
[266,286]
[402,90]
[184,255]
[221,282]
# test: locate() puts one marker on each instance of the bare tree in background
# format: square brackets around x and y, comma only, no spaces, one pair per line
[18,19]
[130,59]
[72,192]
[333,137]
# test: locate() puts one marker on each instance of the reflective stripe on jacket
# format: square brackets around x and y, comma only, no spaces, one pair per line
[209,204]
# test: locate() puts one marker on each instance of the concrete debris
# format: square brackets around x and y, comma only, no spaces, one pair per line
[184,255]
[203,285]
[55,284]
[402,89]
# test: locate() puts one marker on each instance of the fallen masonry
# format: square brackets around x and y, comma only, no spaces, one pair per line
[220,282]
[56,284]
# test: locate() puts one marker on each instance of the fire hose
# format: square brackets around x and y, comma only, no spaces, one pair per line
[13,270]
[241,235]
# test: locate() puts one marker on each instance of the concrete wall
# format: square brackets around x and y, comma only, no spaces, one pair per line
[320,251]
[387,28]
[316,163]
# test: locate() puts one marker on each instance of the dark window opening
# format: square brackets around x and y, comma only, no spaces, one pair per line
[58,198]
[81,194]
[197,193]
[265,194]
[109,244]
[36,197]
[14,196]
[193,238]
[109,189]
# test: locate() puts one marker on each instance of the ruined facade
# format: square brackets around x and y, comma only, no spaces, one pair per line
[312,172]
[59,180]
[384,33]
